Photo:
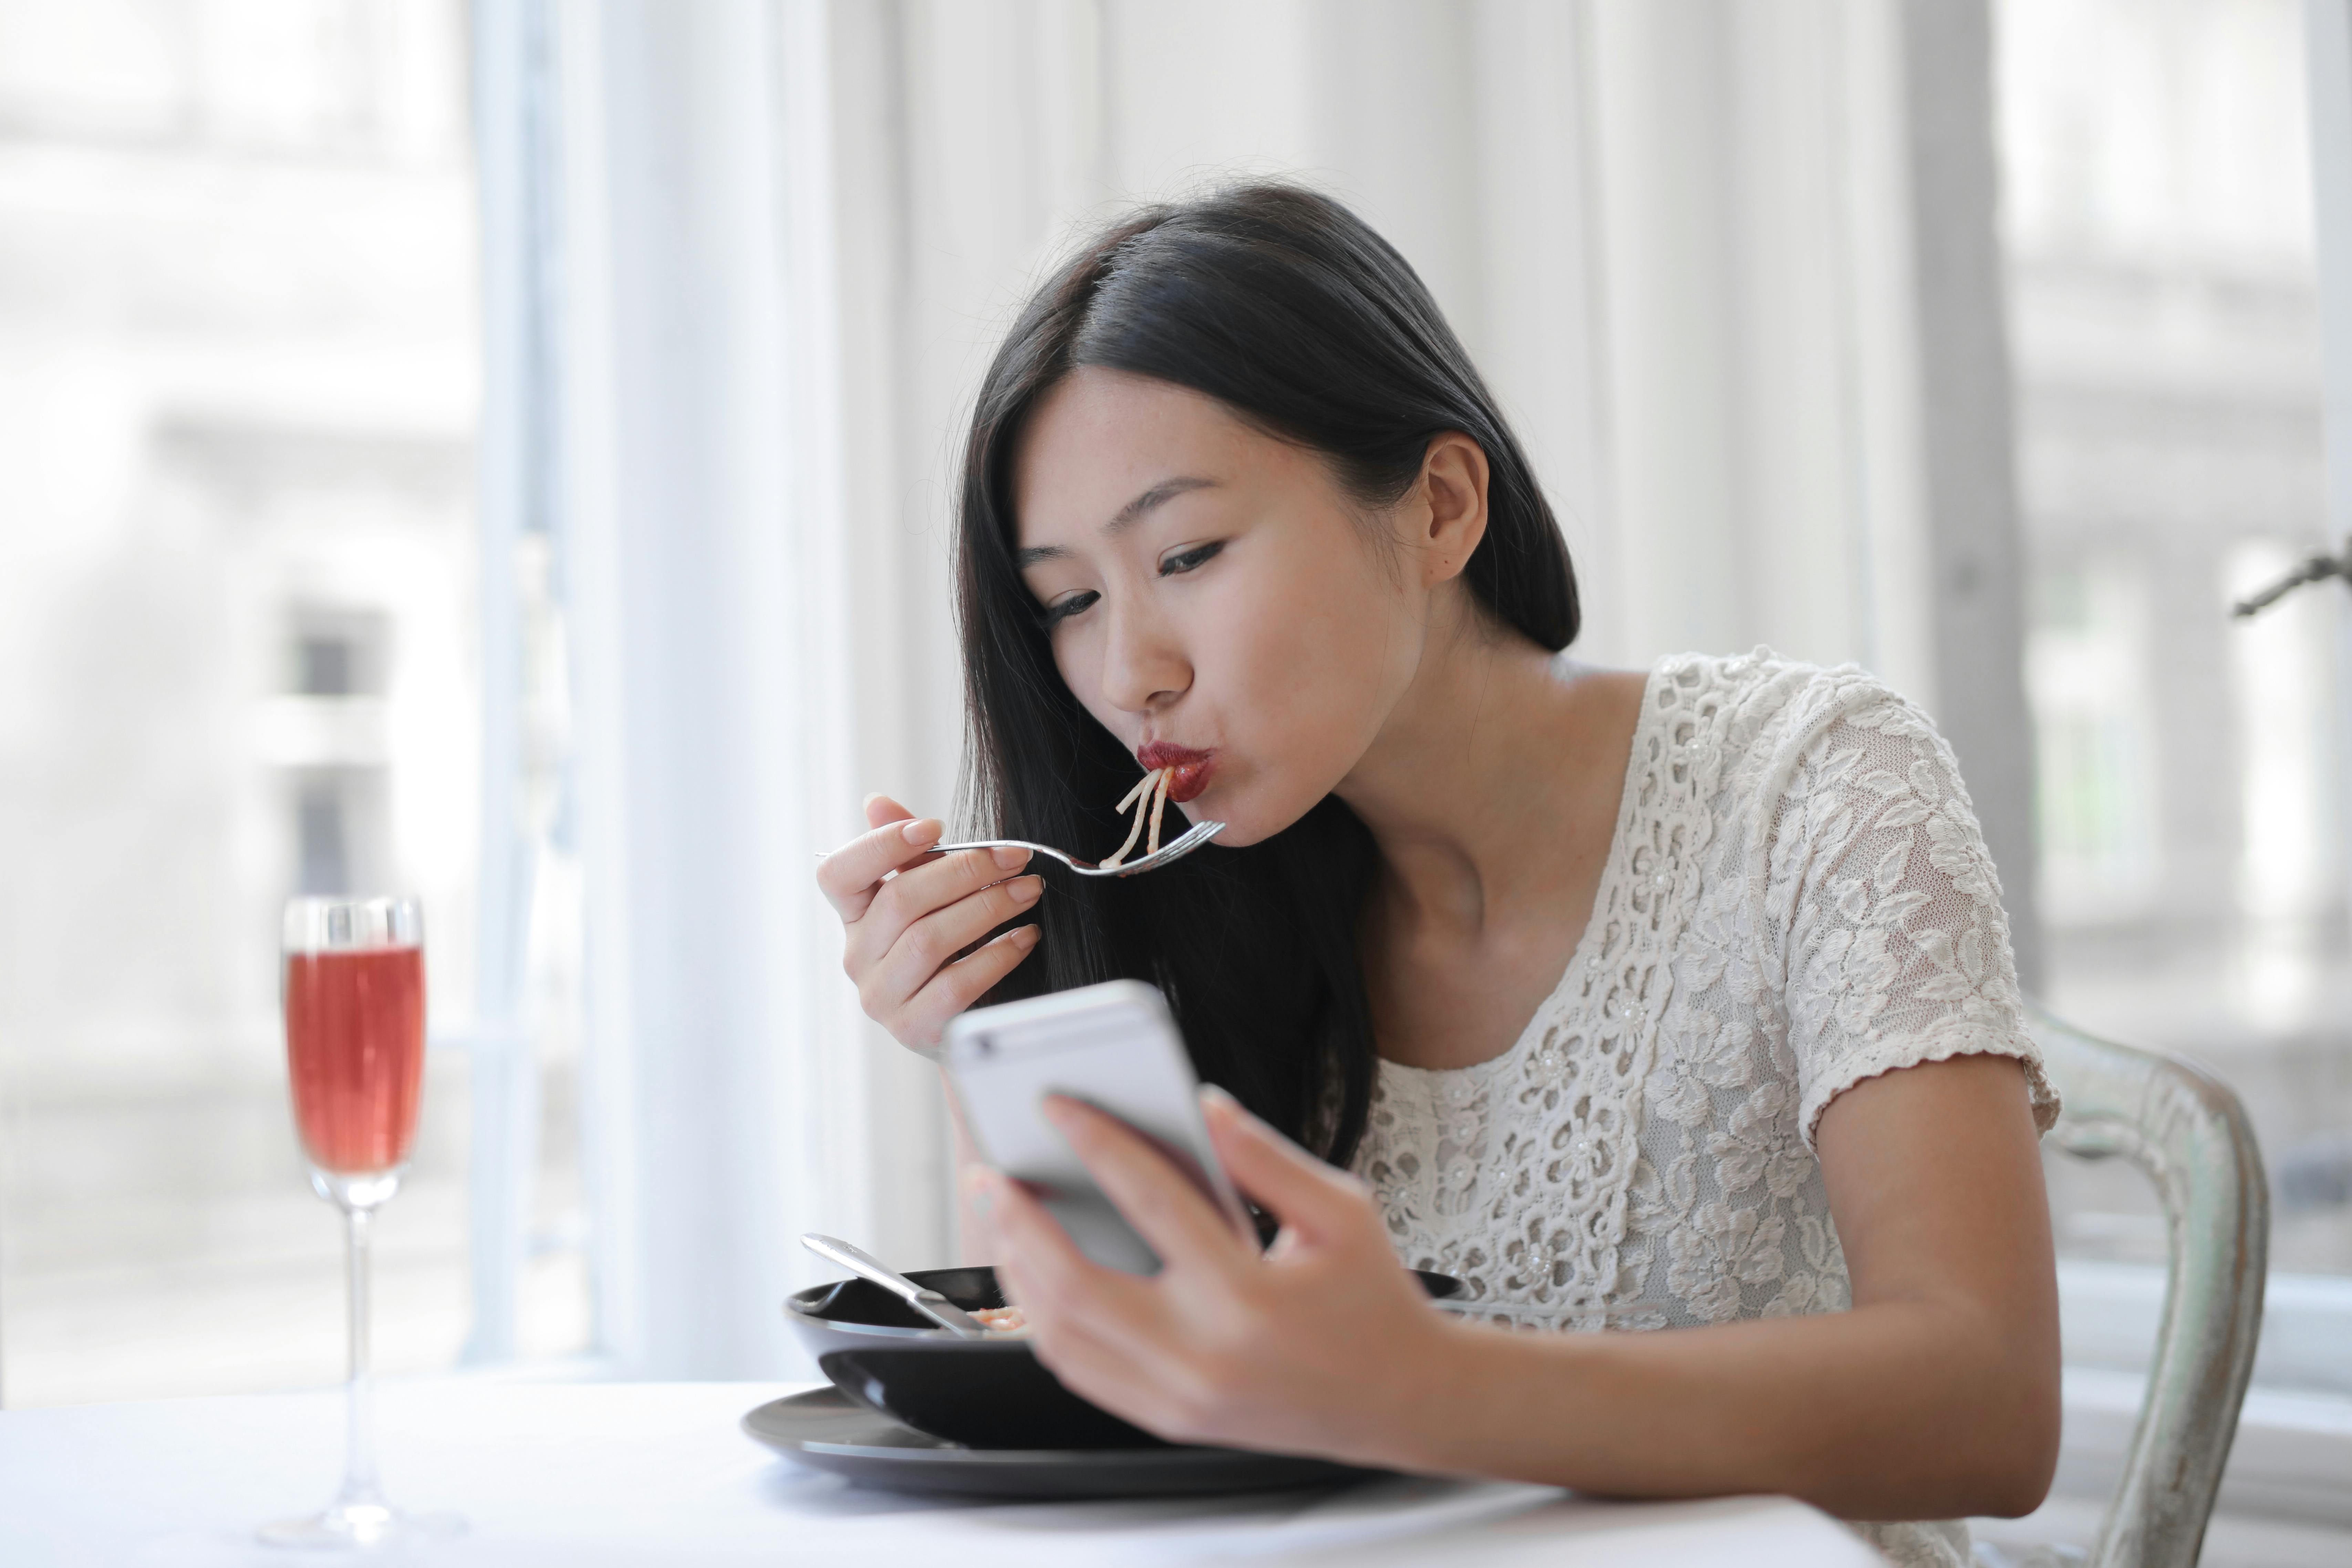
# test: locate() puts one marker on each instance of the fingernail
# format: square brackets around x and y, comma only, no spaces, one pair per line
[1009,858]
[923,830]
[1025,890]
[1212,1094]
[980,1185]
[1024,936]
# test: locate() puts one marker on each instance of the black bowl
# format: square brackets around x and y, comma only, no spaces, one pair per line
[984,1394]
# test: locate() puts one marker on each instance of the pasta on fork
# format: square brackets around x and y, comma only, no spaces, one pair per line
[1148,797]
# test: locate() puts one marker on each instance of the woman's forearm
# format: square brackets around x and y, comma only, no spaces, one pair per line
[1916,1409]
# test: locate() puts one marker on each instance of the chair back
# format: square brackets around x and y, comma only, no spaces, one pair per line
[2186,1129]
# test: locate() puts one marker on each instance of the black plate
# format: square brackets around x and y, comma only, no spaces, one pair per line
[826,1430]
[983,1393]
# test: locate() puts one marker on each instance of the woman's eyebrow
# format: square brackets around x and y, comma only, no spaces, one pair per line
[1164,492]
[1125,517]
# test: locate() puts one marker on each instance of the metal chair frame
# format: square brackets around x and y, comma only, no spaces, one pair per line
[2186,1131]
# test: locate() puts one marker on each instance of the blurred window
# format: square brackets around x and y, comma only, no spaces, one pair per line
[2191,796]
[2086,671]
[239,613]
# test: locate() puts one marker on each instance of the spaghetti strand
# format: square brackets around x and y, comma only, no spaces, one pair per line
[1135,830]
[1159,802]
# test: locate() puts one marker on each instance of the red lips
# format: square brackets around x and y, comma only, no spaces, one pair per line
[1192,768]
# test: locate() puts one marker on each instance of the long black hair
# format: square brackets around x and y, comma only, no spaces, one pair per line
[1287,309]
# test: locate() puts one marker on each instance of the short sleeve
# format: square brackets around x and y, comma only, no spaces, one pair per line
[1882,910]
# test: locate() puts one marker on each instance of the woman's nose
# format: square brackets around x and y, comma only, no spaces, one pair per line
[1143,666]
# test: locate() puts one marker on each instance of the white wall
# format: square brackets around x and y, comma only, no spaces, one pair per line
[1694,212]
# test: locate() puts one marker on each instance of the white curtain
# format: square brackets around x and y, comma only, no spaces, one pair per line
[734,1096]
[1679,236]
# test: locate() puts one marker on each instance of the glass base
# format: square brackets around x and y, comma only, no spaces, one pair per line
[360,1527]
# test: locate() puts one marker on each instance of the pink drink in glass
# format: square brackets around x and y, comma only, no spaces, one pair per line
[355,1047]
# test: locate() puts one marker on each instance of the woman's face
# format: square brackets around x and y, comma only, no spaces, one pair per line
[1212,597]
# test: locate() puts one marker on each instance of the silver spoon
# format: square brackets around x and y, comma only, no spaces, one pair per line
[866,1265]
[1200,834]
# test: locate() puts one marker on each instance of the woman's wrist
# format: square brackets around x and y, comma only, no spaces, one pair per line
[1492,1403]
[1431,1399]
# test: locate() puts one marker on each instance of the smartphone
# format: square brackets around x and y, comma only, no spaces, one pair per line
[1113,1045]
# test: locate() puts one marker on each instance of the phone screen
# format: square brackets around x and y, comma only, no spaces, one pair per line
[1113,1045]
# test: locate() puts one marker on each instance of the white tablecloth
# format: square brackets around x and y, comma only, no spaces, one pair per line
[586,1475]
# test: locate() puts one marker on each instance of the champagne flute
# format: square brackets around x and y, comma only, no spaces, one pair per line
[354,999]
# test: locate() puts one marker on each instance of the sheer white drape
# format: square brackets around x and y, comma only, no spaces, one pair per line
[1677,235]
[734,1099]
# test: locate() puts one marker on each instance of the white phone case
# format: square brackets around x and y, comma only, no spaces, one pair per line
[1113,1045]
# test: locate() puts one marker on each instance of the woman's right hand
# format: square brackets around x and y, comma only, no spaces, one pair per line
[903,932]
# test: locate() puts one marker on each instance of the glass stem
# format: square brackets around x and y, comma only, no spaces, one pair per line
[360,1485]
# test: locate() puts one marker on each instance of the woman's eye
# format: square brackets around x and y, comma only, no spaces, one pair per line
[1061,610]
[1190,560]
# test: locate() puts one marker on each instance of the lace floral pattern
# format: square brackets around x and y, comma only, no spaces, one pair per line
[1797,899]
[1517,1174]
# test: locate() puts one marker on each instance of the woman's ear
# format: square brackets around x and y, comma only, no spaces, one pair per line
[1453,487]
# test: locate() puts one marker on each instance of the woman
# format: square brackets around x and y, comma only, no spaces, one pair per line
[1679,999]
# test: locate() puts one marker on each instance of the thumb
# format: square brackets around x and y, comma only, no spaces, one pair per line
[1307,1195]
[881,811]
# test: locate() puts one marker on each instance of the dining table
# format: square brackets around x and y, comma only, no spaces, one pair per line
[589,1473]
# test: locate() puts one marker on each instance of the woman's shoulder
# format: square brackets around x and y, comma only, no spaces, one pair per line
[1760,712]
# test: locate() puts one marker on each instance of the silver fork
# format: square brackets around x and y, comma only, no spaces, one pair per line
[1200,834]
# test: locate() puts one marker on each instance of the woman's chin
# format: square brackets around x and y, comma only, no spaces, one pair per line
[1244,825]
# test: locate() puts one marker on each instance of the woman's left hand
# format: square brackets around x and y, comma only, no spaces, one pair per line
[1321,1345]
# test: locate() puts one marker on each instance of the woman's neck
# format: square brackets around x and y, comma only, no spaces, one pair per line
[1465,786]
[1493,792]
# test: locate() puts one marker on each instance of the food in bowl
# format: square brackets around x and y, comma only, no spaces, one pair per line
[1002,1320]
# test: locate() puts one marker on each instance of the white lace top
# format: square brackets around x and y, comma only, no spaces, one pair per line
[1797,899]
